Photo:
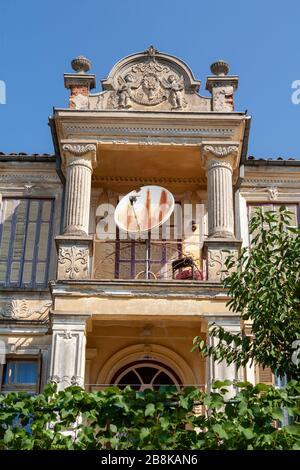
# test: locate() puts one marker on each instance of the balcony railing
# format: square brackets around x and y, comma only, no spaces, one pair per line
[148,260]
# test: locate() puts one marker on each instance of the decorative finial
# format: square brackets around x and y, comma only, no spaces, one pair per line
[151,51]
[220,67]
[81,64]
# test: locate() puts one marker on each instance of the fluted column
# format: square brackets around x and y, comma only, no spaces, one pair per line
[80,159]
[220,161]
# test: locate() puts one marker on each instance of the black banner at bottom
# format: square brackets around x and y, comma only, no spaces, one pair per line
[137,459]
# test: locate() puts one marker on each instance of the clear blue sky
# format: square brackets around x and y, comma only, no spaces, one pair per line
[260,40]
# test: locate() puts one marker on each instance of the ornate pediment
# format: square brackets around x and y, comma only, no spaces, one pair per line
[150,81]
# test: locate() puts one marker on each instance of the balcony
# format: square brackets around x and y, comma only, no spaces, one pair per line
[161,260]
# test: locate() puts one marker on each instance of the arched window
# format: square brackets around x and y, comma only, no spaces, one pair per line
[141,375]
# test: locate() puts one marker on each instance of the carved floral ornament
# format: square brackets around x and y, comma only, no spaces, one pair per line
[18,309]
[273,193]
[74,262]
[216,263]
[67,379]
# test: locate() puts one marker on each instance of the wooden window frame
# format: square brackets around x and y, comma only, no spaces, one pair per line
[268,203]
[35,259]
[24,387]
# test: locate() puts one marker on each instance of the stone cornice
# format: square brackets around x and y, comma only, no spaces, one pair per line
[137,179]
[138,288]
[146,135]
[149,130]
[25,177]
[271,181]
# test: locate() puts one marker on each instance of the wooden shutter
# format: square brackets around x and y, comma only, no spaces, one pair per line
[264,375]
[25,241]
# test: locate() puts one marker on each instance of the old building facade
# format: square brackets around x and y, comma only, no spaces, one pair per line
[83,303]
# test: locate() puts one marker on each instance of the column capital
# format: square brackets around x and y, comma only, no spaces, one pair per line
[220,153]
[68,322]
[85,150]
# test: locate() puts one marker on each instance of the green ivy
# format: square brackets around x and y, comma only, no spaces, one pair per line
[164,419]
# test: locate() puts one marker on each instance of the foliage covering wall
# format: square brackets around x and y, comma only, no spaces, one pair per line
[165,419]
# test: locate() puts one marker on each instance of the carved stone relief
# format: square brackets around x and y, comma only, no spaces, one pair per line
[220,151]
[67,380]
[73,262]
[79,149]
[216,259]
[149,83]
[223,98]
[18,309]
[80,101]
[273,193]
[149,79]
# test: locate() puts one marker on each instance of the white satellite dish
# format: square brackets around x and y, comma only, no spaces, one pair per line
[144,209]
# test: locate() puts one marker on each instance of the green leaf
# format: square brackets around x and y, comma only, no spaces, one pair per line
[218,429]
[277,413]
[144,432]
[247,432]
[293,429]
[113,428]
[184,402]
[150,409]
[8,436]
[262,387]
[221,383]
[164,422]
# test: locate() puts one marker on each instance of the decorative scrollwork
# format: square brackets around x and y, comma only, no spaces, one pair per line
[216,264]
[75,260]
[18,309]
[220,150]
[79,149]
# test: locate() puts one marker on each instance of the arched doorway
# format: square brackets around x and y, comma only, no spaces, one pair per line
[110,372]
[141,375]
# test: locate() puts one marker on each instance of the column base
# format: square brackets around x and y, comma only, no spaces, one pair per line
[220,234]
[73,257]
[73,231]
[216,251]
